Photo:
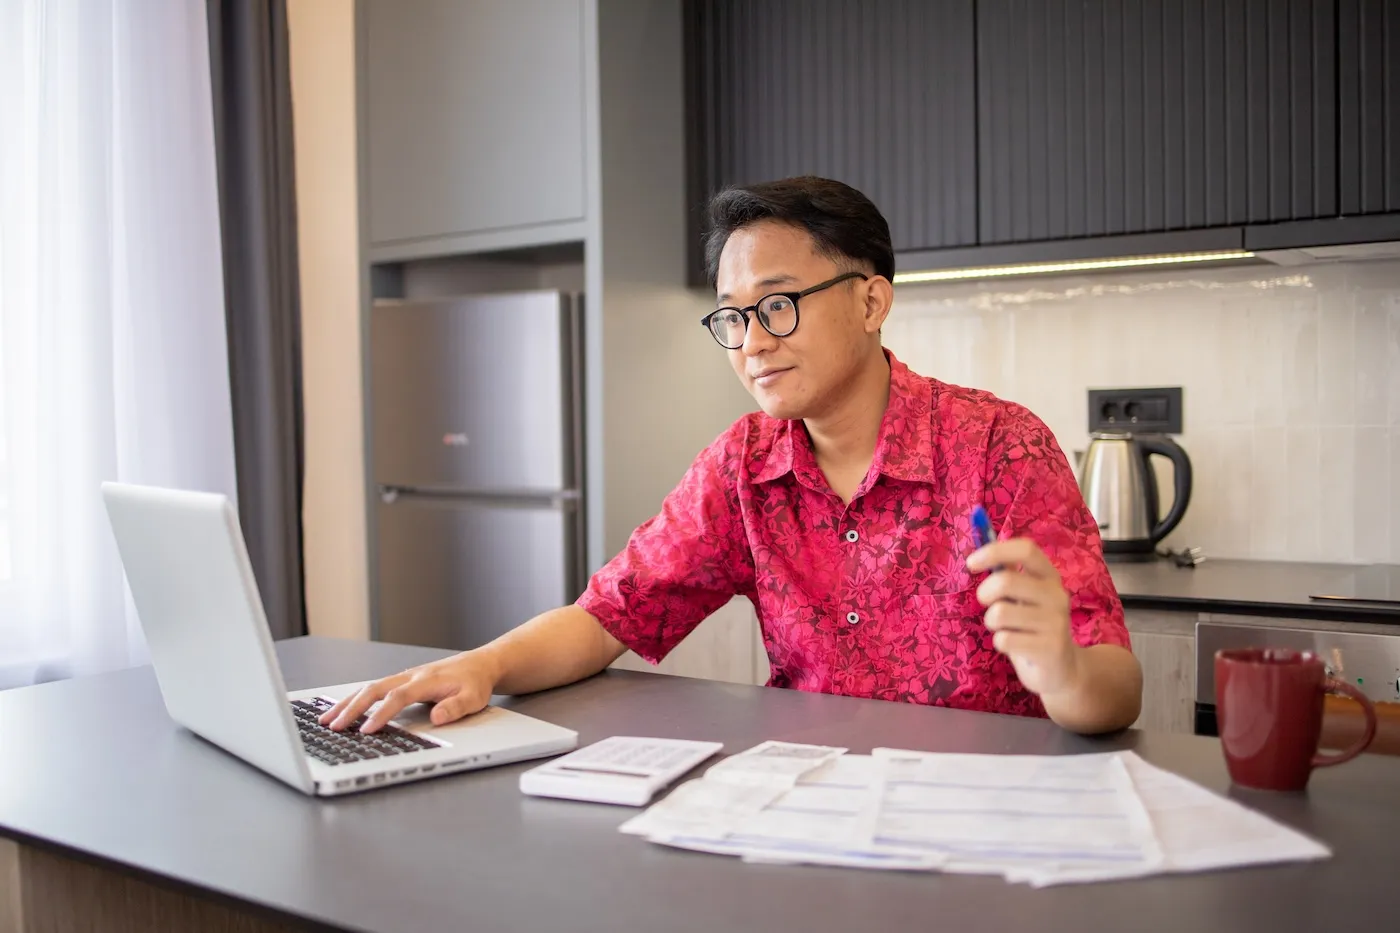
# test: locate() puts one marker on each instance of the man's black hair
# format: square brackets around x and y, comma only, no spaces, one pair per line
[844,223]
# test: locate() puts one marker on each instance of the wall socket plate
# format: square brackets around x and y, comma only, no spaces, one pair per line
[1136,411]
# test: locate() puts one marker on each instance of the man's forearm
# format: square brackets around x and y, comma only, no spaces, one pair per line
[1106,693]
[554,648]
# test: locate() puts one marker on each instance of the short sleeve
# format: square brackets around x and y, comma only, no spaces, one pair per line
[1032,493]
[681,565]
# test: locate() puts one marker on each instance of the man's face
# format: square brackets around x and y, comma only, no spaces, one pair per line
[800,375]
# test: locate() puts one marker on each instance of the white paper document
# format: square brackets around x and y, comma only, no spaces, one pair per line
[1197,830]
[1200,830]
[1041,820]
[827,817]
[702,809]
[773,764]
[1017,815]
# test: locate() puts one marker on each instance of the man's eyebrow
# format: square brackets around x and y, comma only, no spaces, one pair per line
[765,283]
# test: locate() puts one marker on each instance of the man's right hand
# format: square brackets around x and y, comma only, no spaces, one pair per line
[554,648]
[456,686]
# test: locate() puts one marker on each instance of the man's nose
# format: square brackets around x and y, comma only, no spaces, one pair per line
[757,339]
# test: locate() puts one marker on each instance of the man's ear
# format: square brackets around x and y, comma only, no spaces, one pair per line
[879,296]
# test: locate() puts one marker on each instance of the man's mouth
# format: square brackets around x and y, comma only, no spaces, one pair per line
[766,377]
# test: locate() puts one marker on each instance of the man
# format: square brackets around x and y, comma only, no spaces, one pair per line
[841,510]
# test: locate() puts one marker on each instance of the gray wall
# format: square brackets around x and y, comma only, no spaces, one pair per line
[662,388]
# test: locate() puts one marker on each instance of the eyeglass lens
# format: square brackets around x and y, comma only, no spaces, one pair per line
[777,314]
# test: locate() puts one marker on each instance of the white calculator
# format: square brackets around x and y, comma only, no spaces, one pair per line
[623,769]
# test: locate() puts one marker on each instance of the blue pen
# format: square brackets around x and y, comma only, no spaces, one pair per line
[982,527]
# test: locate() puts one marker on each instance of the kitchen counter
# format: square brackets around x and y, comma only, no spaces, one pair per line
[141,801]
[1249,587]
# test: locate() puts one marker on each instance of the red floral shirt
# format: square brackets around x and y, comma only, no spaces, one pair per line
[870,599]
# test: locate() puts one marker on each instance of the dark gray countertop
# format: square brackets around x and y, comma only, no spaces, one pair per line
[93,766]
[1252,587]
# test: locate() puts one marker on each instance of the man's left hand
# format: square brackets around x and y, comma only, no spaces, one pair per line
[1028,610]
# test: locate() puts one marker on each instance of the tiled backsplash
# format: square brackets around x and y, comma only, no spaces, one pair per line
[1290,376]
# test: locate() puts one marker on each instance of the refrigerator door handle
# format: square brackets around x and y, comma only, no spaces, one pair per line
[559,498]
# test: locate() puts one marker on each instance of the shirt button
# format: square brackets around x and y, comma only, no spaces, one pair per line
[852,536]
[853,617]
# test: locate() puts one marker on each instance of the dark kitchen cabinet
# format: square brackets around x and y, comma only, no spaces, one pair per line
[1368,76]
[1101,117]
[879,94]
[993,131]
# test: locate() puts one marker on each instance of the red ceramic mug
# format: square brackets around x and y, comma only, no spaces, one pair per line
[1268,704]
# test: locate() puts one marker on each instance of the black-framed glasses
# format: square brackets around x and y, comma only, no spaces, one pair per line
[776,312]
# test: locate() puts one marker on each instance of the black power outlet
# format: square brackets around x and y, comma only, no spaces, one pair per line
[1138,411]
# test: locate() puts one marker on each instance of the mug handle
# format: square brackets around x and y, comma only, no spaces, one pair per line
[1336,686]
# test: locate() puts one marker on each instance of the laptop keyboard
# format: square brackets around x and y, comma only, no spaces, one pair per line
[337,748]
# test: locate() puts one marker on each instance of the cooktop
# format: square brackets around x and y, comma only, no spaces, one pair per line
[1377,583]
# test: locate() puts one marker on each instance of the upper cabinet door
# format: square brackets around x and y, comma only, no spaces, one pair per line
[1368,41]
[474,116]
[1105,117]
[878,94]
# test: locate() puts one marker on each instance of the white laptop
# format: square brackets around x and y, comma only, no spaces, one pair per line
[207,633]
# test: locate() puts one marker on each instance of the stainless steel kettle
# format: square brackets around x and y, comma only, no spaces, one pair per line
[1120,488]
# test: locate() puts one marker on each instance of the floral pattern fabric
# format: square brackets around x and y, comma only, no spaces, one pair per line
[871,598]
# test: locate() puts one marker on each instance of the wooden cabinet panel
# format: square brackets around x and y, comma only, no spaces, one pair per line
[1343,722]
[762,670]
[1168,681]
[721,648]
[11,894]
[42,891]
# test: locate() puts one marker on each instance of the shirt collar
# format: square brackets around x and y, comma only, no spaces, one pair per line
[903,449]
[779,460]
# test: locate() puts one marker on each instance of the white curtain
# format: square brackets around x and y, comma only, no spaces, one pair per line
[113,358]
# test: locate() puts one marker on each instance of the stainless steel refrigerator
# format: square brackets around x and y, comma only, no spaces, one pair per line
[477,432]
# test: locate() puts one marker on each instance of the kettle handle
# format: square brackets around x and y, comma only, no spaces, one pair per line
[1166,447]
